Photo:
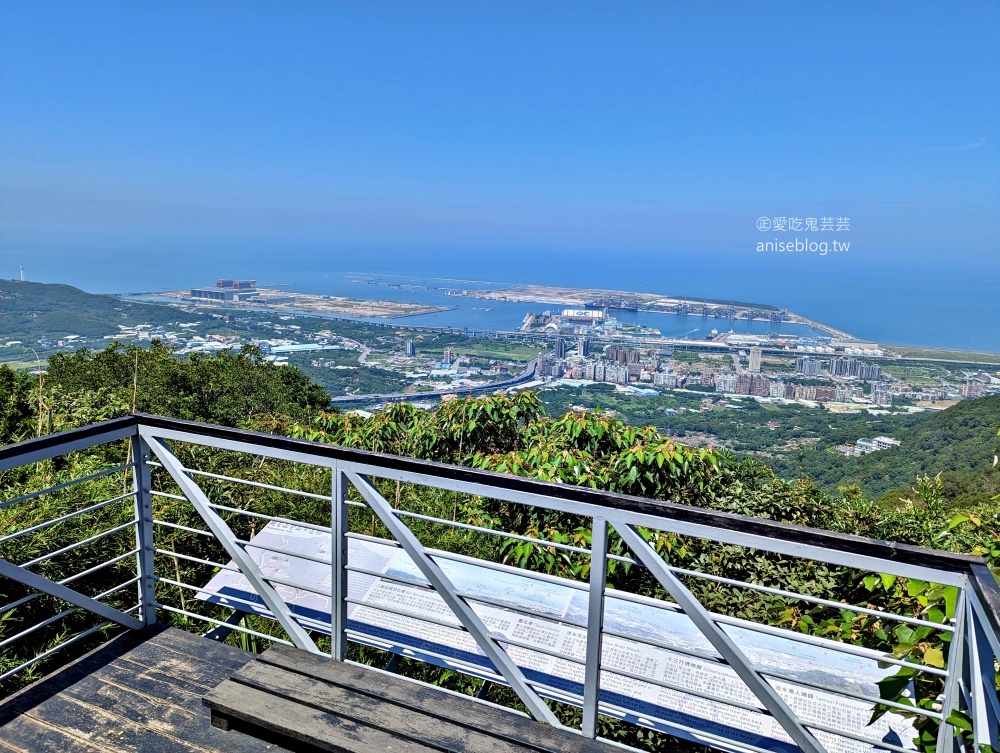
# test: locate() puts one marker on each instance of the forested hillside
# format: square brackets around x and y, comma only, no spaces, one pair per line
[32,310]
[958,443]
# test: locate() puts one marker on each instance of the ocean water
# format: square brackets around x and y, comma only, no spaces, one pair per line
[944,305]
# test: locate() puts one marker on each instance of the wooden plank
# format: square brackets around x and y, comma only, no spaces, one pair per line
[183,642]
[179,665]
[432,701]
[195,685]
[26,735]
[104,728]
[117,646]
[249,708]
[192,724]
[388,717]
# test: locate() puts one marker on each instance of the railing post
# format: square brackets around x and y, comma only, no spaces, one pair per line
[338,565]
[946,739]
[141,484]
[595,625]
[979,676]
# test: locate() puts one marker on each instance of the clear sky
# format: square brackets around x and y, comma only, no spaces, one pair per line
[550,126]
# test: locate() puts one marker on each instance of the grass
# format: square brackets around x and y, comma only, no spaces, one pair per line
[935,354]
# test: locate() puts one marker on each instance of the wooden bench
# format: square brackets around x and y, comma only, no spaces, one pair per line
[308,702]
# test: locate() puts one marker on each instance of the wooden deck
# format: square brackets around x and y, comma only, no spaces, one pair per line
[318,704]
[163,689]
[141,693]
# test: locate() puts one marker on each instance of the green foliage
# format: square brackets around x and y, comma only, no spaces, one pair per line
[227,388]
[32,310]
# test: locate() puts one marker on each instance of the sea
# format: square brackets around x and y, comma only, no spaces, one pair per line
[943,305]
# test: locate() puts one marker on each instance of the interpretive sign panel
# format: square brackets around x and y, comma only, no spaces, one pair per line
[549,615]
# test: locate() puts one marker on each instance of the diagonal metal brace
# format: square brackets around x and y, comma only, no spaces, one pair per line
[446,590]
[702,619]
[227,538]
[40,583]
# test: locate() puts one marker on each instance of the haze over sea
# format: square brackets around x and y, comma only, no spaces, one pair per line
[947,306]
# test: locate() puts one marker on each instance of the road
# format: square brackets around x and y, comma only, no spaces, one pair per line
[525,376]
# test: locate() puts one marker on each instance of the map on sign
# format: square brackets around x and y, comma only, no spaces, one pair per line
[625,658]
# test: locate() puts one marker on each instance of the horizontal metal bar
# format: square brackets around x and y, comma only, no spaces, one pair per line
[812,599]
[455,693]
[78,544]
[486,564]
[189,558]
[54,649]
[783,538]
[491,531]
[877,744]
[457,626]
[258,484]
[38,626]
[296,584]
[850,694]
[234,569]
[694,653]
[65,442]
[238,628]
[119,587]
[67,516]
[179,527]
[254,605]
[178,497]
[507,535]
[469,597]
[655,722]
[476,670]
[683,689]
[386,576]
[299,555]
[847,648]
[66,484]
[64,581]
[289,521]
[727,528]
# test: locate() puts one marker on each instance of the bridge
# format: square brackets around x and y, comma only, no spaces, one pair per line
[394,397]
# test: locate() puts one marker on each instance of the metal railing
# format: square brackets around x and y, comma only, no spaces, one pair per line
[584,656]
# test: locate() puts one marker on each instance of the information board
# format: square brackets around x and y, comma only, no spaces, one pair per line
[276,546]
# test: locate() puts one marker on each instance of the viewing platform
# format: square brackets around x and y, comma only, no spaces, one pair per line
[166,585]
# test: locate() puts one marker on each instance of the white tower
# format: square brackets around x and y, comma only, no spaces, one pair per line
[22,272]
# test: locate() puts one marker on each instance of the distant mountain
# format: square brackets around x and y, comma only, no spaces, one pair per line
[33,310]
[959,443]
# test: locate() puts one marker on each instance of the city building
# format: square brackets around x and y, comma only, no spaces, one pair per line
[826,393]
[807,366]
[726,383]
[851,367]
[882,393]
[971,389]
[447,356]
[866,446]
[411,349]
[755,354]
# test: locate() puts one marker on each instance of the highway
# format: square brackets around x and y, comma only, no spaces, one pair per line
[525,376]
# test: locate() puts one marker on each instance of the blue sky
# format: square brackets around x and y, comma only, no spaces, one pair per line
[468,126]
